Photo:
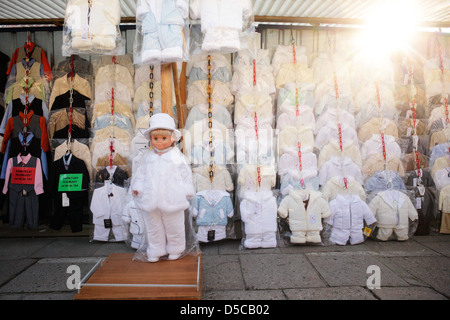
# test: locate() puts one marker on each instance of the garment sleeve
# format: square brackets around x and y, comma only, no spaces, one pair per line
[195,206]
[8,131]
[6,116]
[47,68]
[8,174]
[368,214]
[38,179]
[325,208]
[194,9]
[13,61]
[230,208]
[186,175]
[412,212]
[96,206]
[44,137]
[283,208]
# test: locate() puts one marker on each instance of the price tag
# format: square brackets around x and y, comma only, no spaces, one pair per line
[23,175]
[367,231]
[65,200]
[70,182]
[419,203]
[211,235]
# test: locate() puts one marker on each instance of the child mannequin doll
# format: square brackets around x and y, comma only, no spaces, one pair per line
[162,187]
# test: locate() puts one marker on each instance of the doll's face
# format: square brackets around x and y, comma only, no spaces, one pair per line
[161,141]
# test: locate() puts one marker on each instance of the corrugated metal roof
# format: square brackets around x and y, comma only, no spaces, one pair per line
[318,11]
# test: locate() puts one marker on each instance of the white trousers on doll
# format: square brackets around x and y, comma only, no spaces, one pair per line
[384,233]
[165,233]
[261,240]
[341,236]
[305,236]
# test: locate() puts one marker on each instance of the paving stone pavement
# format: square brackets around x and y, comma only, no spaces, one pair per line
[417,269]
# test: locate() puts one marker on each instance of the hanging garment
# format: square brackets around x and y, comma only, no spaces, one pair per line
[115,73]
[289,137]
[198,94]
[142,74]
[259,214]
[69,186]
[375,145]
[162,30]
[406,128]
[438,151]
[442,178]
[376,163]
[79,150]
[251,102]
[35,52]
[333,149]
[334,115]
[426,203]
[331,130]
[221,23]
[104,92]
[253,146]
[392,209]
[200,112]
[325,98]
[247,78]
[413,179]
[81,66]
[305,211]
[337,185]
[440,163]
[374,126]
[38,106]
[348,214]
[24,182]
[19,81]
[114,174]
[288,183]
[248,178]
[211,210]
[108,107]
[325,66]
[439,137]
[60,96]
[289,163]
[125,60]
[293,73]
[59,124]
[221,181]
[199,131]
[409,161]
[92,25]
[383,180]
[197,67]
[222,153]
[289,117]
[337,166]
[107,206]
[287,54]
[293,93]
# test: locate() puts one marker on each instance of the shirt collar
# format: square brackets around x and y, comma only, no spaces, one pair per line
[23,159]
[30,98]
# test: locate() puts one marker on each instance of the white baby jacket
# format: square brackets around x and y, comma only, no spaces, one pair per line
[290,136]
[331,130]
[392,209]
[290,115]
[337,166]
[292,207]
[248,178]
[289,163]
[333,149]
[108,202]
[375,145]
[93,25]
[258,212]
[164,182]
[221,180]
[349,212]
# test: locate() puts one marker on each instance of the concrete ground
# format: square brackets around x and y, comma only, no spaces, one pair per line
[418,269]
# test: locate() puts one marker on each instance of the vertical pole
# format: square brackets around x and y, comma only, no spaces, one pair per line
[166,89]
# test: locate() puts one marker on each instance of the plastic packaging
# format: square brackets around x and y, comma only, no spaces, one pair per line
[92,27]
[162,34]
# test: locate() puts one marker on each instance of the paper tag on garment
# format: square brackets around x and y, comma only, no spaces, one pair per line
[211,235]
[85,32]
[419,202]
[408,132]
[65,200]
[108,223]
[415,180]
[70,182]
[22,175]
[255,208]
[421,190]
[367,231]
[312,219]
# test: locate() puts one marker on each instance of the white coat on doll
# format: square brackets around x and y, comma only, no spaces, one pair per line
[259,214]
[164,185]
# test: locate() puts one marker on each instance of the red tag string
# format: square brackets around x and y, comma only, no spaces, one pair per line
[336,87]
[300,166]
[446,110]
[114,59]
[345,183]
[256,125]
[254,72]
[293,52]
[112,101]
[378,96]
[340,137]
[297,111]
[441,61]
[111,149]
[258,169]
[383,145]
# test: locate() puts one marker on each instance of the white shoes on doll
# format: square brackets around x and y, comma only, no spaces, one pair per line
[170,257]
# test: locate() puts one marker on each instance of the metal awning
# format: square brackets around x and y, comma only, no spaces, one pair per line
[433,13]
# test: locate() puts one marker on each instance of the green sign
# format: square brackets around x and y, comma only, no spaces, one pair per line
[70,182]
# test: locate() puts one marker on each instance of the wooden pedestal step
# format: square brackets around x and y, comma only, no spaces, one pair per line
[121,278]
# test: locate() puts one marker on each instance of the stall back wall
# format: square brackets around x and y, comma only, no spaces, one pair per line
[313,40]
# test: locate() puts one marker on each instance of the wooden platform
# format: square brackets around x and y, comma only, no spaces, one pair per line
[121,278]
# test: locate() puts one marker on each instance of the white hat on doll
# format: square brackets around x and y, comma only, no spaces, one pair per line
[162,121]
